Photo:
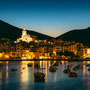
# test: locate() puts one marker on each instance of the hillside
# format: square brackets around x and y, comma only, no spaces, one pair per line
[79,35]
[12,32]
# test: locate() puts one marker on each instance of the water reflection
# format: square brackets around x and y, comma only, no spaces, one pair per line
[24,74]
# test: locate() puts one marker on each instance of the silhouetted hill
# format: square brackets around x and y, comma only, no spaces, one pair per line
[12,32]
[79,35]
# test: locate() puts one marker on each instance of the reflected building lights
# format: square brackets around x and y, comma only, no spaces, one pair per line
[24,73]
[7,72]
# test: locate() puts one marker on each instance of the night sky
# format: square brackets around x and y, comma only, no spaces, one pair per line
[51,17]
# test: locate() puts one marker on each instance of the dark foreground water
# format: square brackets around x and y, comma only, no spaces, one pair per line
[23,79]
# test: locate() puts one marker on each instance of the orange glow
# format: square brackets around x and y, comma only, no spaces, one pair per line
[1,54]
[6,56]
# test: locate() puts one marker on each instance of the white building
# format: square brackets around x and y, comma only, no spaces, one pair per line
[25,37]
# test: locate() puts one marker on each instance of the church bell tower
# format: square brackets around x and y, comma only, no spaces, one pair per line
[24,33]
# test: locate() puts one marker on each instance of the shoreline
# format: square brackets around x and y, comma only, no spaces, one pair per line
[48,60]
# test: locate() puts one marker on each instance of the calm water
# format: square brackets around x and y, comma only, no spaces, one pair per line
[23,79]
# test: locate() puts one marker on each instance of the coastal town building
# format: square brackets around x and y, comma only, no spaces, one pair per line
[28,47]
[25,37]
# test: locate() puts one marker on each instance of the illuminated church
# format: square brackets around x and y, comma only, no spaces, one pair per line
[24,37]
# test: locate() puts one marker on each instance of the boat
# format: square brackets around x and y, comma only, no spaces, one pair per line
[39,77]
[52,69]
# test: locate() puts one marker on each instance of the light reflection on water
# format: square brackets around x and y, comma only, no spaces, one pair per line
[23,79]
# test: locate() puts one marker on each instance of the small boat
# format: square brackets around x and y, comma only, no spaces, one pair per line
[29,64]
[36,65]
[13,69]
[39,77]
[67,70]
[52,69]
[72,74]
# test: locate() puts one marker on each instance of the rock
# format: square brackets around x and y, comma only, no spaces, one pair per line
[29,64]
[88,65]
[88,69]
[1,64]
[67,70]
[39,77]
[37,66]
[78,67]
[13,69]
[52,69]
[72,74]
[70,66]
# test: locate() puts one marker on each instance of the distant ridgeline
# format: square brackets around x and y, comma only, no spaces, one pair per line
[13,33]
[79,35]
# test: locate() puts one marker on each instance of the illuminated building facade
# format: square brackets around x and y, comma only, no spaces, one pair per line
[26,48]
[25,37]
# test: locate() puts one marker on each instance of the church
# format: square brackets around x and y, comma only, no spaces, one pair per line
[24,37]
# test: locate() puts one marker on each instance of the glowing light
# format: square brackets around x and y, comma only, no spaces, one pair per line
[88,51]
[6,56]
[25,37]
[26,58]
[1,54]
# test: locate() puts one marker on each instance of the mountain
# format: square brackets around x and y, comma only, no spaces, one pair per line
[11,32]
[78,35]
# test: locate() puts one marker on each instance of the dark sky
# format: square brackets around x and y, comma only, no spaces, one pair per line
[52,17]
